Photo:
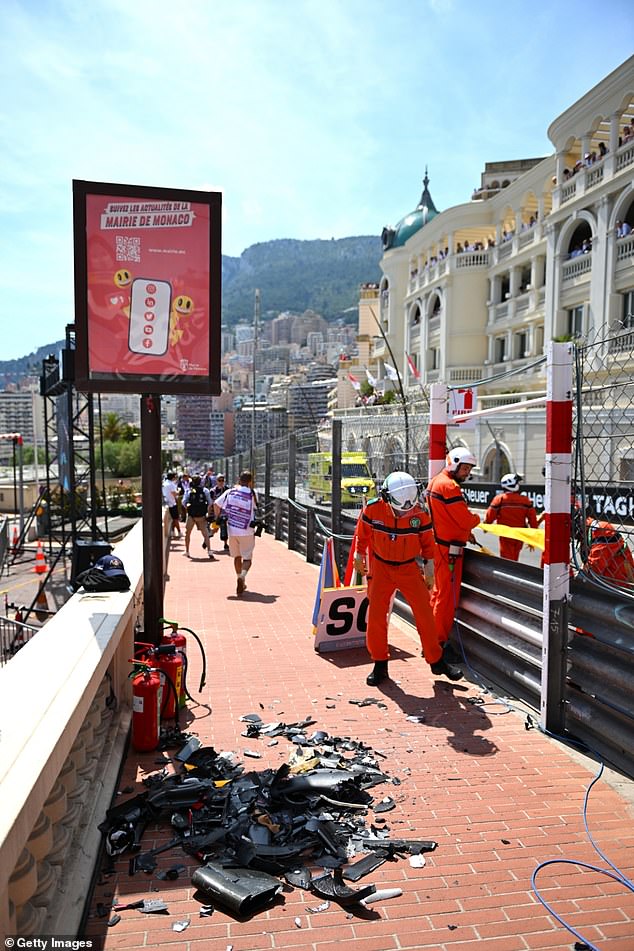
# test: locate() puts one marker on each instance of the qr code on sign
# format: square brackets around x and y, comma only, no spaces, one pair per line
[128,249]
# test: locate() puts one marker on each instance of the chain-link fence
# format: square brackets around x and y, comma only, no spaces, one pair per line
[603,461]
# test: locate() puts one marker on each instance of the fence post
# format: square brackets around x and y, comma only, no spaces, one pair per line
[279,520]
[437,429]
[335,499]
[557,535]
[310,535]
[268,462]
[292,476]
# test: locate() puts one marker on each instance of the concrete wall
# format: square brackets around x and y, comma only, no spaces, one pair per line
[61,744]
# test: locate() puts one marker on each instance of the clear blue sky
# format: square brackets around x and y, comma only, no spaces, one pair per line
[315,118]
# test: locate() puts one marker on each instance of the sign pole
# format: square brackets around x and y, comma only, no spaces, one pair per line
[153,571]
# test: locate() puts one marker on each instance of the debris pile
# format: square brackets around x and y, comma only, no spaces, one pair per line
[303,823]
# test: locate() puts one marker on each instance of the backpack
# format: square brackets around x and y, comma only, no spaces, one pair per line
[197,504]
[107,574]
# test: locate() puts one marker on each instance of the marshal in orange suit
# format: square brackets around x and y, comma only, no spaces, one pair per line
[395,548]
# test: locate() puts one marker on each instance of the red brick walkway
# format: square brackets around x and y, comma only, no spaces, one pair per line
[498,799]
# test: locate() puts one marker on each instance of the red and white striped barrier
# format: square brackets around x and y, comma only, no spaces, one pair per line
[437,429]
[558,532]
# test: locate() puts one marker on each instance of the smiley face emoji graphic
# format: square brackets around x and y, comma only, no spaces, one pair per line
[122,277]
[183,304]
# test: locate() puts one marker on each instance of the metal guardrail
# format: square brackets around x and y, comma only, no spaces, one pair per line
[13,636]
[500,625]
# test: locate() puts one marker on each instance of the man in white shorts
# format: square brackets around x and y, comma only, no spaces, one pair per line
[239,505]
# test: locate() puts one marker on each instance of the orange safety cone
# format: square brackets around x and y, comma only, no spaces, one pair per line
[40,560]
[41,605]
[16,539]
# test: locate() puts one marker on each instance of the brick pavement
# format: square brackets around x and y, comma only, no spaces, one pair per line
[498,798]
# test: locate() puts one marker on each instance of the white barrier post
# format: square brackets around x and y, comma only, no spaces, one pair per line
[437,429]
[557,535]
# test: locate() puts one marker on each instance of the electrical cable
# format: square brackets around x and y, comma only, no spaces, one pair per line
[501,376]
[615,874]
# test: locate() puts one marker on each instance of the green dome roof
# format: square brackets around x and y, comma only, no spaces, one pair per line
[410,224]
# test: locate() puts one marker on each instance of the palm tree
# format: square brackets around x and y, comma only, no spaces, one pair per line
[111,427]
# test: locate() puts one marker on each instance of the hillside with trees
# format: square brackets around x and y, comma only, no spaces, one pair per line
[323,276]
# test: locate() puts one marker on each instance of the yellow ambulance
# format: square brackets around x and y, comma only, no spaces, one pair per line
[356,479]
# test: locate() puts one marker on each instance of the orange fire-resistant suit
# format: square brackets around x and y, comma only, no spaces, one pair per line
[608,553]
[453,524]
[515,510]
[393,544]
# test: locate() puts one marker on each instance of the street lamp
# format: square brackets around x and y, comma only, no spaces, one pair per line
[256,318]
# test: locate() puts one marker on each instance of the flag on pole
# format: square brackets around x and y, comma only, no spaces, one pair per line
[391,372]
[328,576]
[355,383]
[352,577]
[371,379]
[415,371]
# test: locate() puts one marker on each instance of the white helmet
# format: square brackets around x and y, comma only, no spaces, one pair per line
[510,482]
[460,456]
[400,490]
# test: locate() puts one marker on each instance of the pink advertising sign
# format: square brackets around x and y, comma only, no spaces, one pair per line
[147,289]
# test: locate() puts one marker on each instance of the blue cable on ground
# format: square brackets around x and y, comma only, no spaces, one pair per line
[615,874]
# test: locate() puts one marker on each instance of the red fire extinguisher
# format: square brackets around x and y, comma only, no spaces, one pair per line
[172,635]
[146,708]
[168,661]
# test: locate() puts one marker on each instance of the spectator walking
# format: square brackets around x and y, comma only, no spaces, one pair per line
[511,507]
[199,505]
[184,486]
[453,527]
[239,505]
[395,549]
[219,523]
[170,497]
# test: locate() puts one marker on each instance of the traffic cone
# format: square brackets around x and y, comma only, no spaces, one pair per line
[40,560]
[41,605]
[16,539]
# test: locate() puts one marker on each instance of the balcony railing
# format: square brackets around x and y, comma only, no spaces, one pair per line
[505,249]
[623,344]
[526,237]
[469,259]
[624,251]
[465,374]
[625,156]
[576,267]
[568,191]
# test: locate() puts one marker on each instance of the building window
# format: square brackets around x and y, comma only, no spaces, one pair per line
[539,340]
[626,469]
[627,314]
[575,321]
[521,345]
[500,349]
